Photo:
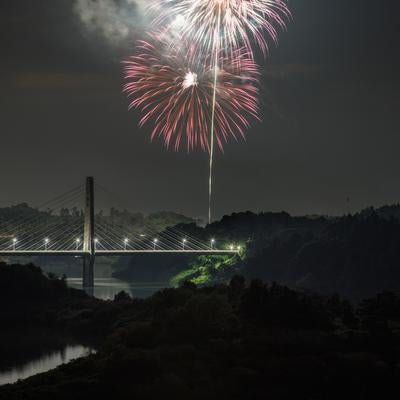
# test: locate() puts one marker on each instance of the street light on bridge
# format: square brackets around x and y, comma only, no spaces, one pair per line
[46,242]
[14,242]
[126,241]
[212,242]
[78,242]
[183,243]
[95,243]
[155,241]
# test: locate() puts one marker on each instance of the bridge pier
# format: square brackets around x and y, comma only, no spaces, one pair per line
[88,238]
[88,252]
[88,273]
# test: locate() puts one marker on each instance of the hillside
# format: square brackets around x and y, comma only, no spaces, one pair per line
[125,223]
[355,256]
[232,341]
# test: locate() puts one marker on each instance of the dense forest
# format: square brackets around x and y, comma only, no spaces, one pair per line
[35,314]
[356,255]
[244,339]
[130,222]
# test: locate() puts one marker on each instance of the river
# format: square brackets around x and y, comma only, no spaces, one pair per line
[44,363]
[107,288]
[43,359]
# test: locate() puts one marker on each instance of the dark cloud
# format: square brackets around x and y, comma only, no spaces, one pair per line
[44,81]
[282,71]
[116,20]
[330,100]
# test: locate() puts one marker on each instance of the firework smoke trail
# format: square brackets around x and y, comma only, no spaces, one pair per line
[231,24]
[216,40]
[175,91]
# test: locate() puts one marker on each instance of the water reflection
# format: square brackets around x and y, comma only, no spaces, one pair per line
[47,359]
[44,363]
[107,288]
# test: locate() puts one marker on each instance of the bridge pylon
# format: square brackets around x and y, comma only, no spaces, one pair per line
[88,237]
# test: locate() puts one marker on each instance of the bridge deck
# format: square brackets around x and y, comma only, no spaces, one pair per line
[79,253]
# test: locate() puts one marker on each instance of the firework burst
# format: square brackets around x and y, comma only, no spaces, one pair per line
[236,22]
[174,89]
[205,92]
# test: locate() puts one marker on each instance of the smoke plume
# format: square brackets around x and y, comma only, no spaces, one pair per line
[114,19]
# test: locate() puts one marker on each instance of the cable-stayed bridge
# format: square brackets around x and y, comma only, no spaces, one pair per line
[79,232]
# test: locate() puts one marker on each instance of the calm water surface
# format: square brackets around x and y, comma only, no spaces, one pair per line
[44,363]
[107,288]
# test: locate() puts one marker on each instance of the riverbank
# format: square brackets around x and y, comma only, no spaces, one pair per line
[39,357]
[231,341]
[108,288]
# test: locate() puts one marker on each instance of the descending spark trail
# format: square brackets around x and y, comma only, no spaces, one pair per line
[216,46]
[205,92]
[221,27]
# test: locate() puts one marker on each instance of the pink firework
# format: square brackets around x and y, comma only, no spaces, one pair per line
[226,24]
[174,90]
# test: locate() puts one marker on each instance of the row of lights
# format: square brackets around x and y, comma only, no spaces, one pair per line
[46,243]
[155,241]
[126,242]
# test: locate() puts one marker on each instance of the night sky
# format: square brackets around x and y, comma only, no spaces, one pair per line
[330,107]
